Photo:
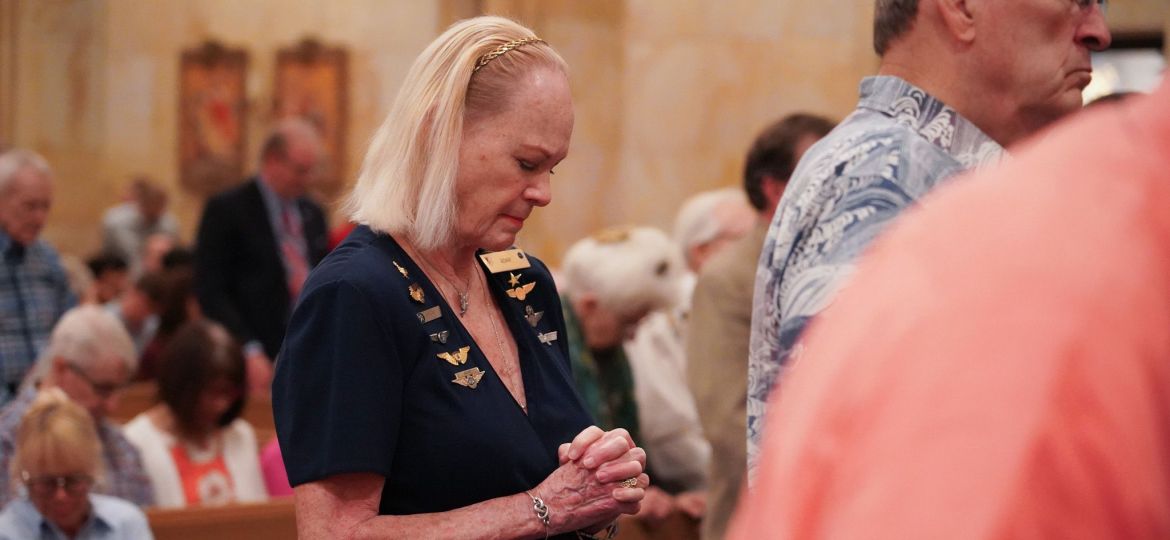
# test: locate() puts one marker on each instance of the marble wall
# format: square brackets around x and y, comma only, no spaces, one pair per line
[668,92]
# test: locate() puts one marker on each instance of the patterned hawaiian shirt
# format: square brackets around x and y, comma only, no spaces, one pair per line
[34,293]
[895,147]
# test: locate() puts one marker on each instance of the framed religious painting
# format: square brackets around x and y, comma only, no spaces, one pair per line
[312,82]
[212,117]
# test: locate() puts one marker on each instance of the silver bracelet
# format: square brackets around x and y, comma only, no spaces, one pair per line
[541,511]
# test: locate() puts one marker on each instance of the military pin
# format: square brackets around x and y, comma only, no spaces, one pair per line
[513,279]
[532,316]
[547,338]
[521,292]
[455,358]
[401,270]
[416,293]
[468,377]
[429,314]
[440,337]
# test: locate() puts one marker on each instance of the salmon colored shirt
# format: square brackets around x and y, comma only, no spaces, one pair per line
[999,367]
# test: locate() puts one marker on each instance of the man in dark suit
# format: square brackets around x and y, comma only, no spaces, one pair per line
[256,244]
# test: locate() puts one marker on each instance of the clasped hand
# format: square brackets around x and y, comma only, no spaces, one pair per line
[584,493]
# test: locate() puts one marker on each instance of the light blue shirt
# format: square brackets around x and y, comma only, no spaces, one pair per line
[110,517]
[896,146]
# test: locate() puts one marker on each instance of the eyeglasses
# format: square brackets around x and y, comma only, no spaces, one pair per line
[47,486]
[103,390]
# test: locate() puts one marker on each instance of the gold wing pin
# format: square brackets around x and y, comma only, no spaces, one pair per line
[401,270]
[469,377]
[416,293]
[455,358]
[521,292]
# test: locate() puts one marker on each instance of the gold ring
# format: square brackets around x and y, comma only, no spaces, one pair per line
[630,482]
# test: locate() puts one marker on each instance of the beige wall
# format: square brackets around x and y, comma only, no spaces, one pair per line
[668,92]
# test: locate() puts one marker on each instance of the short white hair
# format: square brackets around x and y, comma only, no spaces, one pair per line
[698,220]
[13,162]
[83,336]
[630,270]
[407,180]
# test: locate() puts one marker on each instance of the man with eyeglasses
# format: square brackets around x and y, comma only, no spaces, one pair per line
[90,358]
[257,243]
[959,81]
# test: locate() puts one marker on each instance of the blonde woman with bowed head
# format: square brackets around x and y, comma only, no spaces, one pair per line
[56,462]
[424,389]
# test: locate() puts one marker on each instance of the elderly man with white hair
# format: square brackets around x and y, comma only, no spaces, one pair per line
[615,282]
[34,290]
[90,358]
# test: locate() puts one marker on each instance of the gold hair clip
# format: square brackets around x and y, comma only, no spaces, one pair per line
[503,49]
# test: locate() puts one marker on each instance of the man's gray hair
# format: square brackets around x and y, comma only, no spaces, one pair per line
[14,161]
[891,19]
[83,336]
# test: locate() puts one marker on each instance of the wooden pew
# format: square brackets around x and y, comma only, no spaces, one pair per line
[275,519]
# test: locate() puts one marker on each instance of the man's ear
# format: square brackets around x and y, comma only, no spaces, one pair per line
[58,366]
[585,304]
[773,189]
[958,17]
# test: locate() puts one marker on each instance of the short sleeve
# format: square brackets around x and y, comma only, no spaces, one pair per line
[338,388]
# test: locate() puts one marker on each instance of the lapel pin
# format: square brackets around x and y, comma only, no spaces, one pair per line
[429,314]
[532,316]
[521,292]
[440,337]
[416,293]
[401,270]
[469,377]
[547,338]
[455,358]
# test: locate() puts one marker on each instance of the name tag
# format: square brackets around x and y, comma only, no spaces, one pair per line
[504,261]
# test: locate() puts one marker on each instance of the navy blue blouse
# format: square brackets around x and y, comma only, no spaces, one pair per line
[362,385]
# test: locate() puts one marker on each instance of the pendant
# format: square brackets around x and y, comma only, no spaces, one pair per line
[463,302]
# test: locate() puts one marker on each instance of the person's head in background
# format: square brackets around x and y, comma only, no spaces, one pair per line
[290,158]
[774,155]
[149,197]
[110,274]
[90,357]
[202,379]
[708,221]
[617,276]
[143,299]
[1011,67]
[57,459]
[154,248]
[26,195]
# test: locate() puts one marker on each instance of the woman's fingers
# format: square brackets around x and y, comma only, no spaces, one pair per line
[629,465]
[583,440]
[563,453]
[612,446]
[634,494]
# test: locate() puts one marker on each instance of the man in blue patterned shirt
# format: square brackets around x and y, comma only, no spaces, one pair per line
[33,289]
[958,81]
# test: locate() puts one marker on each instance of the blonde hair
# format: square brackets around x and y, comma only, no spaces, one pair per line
[630,270]
[56,434]
[407,180]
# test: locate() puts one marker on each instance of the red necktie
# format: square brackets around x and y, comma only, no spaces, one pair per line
[294,256]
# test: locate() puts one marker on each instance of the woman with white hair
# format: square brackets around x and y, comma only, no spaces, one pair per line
[57,460]
[424,387]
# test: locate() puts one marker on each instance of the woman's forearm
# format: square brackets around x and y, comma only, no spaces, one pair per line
[510,517]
